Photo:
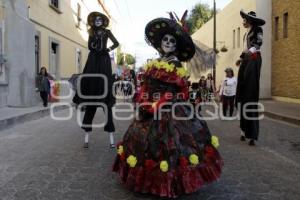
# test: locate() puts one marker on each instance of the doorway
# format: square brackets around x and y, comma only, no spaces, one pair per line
[54,59]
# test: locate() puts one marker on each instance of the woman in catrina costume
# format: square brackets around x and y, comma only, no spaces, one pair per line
[164,155]
[94,90]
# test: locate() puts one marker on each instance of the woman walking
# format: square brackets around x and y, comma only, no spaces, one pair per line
[228,91]
[43,85]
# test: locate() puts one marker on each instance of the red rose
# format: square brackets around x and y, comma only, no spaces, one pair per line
[119,143]
[254,56]
[183,161]
[209,151]
[149,164]
[122,157]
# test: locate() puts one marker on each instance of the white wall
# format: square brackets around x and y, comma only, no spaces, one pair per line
[264,10]
[20,55]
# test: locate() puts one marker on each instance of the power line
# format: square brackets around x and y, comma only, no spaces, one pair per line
[128,11]
[118,9]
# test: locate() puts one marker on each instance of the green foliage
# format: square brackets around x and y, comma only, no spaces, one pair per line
[200,14]
[129,59]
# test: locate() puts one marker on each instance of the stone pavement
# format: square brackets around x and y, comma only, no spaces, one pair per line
[44,160]
[11,116]
[289,112]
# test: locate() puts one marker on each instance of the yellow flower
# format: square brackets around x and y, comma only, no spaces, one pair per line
[120,149]
[164,166]
[131,161]
[194,160]
[181,72]
[215,141]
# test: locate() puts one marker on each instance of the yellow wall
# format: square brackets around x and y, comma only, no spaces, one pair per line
[227,20]
[286,51]
[62,27]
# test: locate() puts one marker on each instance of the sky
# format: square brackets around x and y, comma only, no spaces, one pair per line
[131,16]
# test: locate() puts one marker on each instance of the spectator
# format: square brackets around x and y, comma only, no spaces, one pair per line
[43,85]
[228,91]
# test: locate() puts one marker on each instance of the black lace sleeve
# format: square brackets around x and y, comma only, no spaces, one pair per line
[113,39]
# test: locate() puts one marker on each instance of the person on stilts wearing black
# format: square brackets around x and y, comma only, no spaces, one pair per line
[249,76]
[99,64]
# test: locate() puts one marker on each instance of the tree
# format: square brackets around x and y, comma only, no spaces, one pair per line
[200,14]
[129,59]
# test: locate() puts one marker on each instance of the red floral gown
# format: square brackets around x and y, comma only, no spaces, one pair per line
[167,157]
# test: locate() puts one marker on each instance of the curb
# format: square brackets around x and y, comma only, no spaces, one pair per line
[282,117]
[20,119]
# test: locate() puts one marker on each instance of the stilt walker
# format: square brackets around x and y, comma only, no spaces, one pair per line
[98,63]
[250,61]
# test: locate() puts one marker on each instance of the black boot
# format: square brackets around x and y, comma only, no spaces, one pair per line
[251,143]
[242,138]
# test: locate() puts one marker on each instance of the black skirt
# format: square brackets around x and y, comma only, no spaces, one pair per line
[248,95]
[94,88]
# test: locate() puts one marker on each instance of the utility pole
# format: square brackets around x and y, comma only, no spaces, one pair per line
[215,43]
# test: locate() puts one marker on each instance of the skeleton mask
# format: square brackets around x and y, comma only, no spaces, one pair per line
[98,21]
[168,43]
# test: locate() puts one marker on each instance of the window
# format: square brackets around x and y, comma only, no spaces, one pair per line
[78,15]
[285,25]
[276,26]
[37,53]
[55,5]
[233,39]
[238,37]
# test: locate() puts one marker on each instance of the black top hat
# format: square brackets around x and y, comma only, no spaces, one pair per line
[251,17]
[157,28]
[92,16]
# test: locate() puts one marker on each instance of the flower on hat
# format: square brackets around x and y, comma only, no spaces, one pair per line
[194,160]
[164,166]
[131,161]
[181,72]
[215,141]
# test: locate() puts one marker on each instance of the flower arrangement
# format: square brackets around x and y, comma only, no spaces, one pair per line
[155,64]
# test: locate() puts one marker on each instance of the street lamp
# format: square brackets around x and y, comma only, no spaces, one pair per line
[215,43]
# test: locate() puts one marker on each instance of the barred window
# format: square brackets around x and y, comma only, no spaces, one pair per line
[285,25]
[54,3]
[276,28]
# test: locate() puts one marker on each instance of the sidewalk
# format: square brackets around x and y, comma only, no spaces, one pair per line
[288,112]
[10,116]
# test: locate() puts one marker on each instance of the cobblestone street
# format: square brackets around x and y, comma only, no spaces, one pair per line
[44,159]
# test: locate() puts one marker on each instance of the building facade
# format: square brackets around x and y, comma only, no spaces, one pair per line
[49,33]
[230,33]
[286,50]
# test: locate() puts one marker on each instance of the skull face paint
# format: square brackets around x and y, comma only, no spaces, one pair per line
[98,21]
[168,43]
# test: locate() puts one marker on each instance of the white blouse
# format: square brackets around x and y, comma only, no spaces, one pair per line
[228,87]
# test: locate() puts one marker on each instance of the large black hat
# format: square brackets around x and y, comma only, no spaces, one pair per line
[157,28]
[92,16]
[251,17]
